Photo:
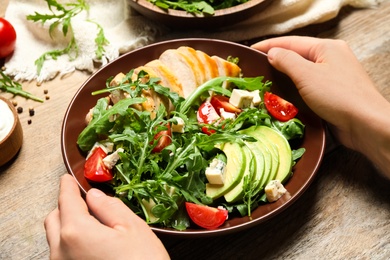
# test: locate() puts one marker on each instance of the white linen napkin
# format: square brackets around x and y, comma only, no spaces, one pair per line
[127,30]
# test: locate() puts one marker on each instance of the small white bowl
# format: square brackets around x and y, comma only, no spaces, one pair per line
[12,142]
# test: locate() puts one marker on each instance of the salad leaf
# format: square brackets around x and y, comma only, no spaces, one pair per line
[291,129]
[102,120]
[207,7]
[215,85]
[156,185]
[13,87]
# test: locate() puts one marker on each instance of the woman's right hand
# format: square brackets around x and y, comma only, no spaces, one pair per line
[336,87]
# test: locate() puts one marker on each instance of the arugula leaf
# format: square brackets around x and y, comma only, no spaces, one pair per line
[215,85]
[102,122]
[207,7]
[292,129]
[10,86]
[61,15]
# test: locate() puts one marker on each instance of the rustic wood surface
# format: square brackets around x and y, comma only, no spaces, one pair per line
[345,213]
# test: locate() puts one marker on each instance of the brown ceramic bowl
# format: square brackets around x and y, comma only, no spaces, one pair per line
[253,63]
[182,19]
[12,142]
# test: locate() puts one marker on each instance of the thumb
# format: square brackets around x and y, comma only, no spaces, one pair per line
[289,62]
[110,211]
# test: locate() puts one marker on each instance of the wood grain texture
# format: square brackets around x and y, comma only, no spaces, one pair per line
[343,215]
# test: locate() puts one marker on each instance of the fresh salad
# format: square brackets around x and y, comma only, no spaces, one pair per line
[196,7]
[218,153]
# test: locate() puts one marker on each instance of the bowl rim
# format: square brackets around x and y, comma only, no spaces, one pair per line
[229,229]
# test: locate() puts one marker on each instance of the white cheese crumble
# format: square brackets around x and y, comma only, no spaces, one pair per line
[215,173]
[227,115]
[179,126]
[241,98]
[111,159]
[256,97]
[274,190]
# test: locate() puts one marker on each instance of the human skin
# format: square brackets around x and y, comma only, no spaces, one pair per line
[334,84]
[112,232]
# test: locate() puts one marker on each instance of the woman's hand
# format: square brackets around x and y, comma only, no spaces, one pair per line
[336,87]
[112,232]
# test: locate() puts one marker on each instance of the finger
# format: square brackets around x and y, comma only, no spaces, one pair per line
[70,202]
[299,44]
[290,63]
[111,211]
[52,226]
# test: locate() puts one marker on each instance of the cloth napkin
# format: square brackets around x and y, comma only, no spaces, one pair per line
[126,30]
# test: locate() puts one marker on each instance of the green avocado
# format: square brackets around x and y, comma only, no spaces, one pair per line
[269,158]
[235,167]
[283,149]
[271,152]
[285,155]
[250,170]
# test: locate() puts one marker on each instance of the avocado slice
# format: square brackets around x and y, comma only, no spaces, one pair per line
[283,147]
[237,192]
[235,167]
[272,149]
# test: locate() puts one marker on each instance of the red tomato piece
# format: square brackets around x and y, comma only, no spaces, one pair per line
[94,168]
[279,108]
[205,216]
[206,115]
[219,102]
[164,138]
[7,38]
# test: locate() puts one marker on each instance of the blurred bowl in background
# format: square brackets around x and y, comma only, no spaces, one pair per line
[182,19]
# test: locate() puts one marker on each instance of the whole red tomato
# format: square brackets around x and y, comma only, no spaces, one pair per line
[7,38]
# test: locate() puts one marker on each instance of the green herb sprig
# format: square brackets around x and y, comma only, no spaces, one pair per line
[10,86]
[62,15]
[207,7]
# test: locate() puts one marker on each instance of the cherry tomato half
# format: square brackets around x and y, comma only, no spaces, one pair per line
[7,38]
[219,102]
[279,108]
[205,216]
[164,138]
[94,168]
[206,115]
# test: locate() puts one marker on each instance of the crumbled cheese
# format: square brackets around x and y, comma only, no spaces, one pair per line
[215,173]
[256,98]
[241,98]
[94,147]
[111,159]
[274,190]
[227,115]
[179,126]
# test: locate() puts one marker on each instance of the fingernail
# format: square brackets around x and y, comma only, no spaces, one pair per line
[96,193]
[272,52]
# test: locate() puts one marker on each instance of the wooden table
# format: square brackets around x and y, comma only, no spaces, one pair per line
[345,213]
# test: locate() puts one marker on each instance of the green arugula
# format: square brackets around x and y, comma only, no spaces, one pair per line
[10,86]
[61,15]
[156,185]
[207,7]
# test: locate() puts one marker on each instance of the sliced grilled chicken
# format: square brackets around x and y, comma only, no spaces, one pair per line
[182,70]
[168,78]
